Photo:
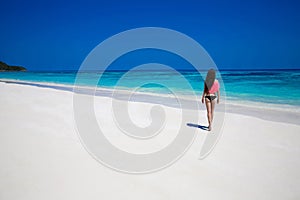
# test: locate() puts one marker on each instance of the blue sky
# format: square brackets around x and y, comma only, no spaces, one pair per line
[58,35]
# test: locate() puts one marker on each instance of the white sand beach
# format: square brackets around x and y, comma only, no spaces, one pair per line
[42,156]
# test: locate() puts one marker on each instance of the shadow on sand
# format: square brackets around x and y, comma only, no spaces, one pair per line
[197,126]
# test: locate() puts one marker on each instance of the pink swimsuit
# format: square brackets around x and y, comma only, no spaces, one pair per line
[214,88]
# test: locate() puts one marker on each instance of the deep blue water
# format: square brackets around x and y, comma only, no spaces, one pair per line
[267,86]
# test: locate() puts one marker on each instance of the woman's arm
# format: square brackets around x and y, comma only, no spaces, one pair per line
[203,93]
[218,100]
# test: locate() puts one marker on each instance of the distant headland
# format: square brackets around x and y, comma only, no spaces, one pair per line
[5,67]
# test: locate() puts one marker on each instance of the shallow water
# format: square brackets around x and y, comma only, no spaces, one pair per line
[278,87]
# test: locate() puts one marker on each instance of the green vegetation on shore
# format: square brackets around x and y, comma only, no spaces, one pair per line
[5,67]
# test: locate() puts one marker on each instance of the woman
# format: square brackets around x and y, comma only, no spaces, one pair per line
[211,88]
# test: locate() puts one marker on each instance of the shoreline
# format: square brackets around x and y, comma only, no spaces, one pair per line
[271,112]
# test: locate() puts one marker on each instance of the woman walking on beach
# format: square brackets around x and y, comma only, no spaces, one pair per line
[211,93]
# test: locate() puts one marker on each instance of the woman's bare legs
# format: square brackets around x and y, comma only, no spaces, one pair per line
[210,106]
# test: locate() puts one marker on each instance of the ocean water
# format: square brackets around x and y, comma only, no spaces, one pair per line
[278,87]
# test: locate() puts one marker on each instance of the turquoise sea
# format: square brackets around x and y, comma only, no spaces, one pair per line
[265,86]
